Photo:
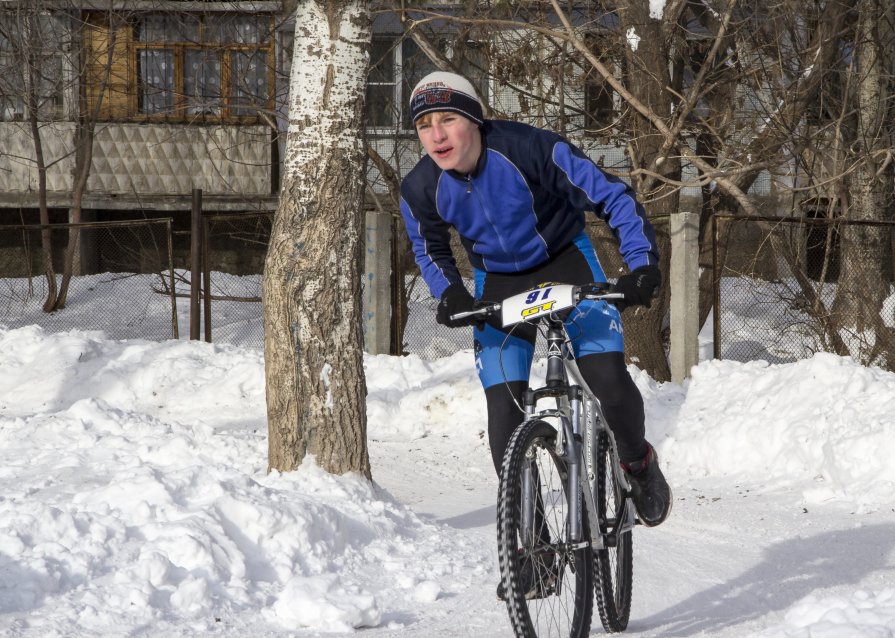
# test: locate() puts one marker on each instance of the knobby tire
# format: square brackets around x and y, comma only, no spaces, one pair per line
[568,609]
[613,565]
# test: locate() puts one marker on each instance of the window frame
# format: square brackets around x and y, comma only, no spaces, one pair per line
[600,124]
[227,107]
[394,52]
[400,84]
[51,94]
[180,49]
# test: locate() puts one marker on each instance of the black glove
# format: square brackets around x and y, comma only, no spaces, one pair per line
[640,287]
[455,299]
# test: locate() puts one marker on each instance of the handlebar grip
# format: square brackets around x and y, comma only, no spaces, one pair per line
[602,291]
[463,315]
[483,312]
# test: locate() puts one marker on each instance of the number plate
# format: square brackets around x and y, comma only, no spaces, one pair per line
[540,301]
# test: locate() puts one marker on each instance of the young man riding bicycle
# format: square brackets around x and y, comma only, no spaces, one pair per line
[516,195]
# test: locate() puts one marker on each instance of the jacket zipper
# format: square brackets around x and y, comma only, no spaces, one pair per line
[491,221]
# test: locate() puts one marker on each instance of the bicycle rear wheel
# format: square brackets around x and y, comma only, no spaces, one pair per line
[533,537]
[613,565]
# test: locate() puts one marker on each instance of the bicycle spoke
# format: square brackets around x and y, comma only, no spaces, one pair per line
[557,598]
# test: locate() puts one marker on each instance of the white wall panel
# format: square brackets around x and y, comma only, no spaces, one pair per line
[173,159]
[18,167]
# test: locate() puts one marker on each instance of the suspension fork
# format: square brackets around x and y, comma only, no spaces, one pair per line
[591,424]
[573,480]
[591,472]
[529,498]
[569,440]
[529,501]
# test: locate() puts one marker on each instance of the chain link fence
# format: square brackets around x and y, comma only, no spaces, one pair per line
[777,290]
[786,288]
[122,278]
[234,246]
[423,336]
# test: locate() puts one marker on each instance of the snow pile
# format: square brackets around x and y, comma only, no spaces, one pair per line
[863,614]
[135,498]
[135,494]
[410,398]
[825,419]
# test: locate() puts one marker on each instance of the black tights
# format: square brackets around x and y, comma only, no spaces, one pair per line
[608,378]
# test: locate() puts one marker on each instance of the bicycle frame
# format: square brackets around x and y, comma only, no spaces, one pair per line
[580,422]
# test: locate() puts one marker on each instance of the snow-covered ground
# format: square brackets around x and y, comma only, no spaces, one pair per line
[134,500]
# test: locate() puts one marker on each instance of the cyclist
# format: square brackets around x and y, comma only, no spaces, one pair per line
[516,196]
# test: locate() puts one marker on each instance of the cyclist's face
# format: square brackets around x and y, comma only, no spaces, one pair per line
[451,140]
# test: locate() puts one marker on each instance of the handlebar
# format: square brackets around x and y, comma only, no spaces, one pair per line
[599,291]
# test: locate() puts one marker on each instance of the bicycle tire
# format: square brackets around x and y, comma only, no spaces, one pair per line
[567,610]
[613,565]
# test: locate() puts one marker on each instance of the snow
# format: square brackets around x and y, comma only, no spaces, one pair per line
[136,500]
[887,312]
[632,38]
[656,9]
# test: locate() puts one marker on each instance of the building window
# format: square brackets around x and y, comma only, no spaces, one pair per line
[600,112]
[381,105]
[397,65]
[599,108]
[216,66]
[31,66]
[187,67]
[415,65]
[12,80]
[827,107]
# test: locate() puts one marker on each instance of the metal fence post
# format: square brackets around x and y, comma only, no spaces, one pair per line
[206,278]
[195,263]
[399,290]
[684,281]
[716,286]
[172,283]
[377,283]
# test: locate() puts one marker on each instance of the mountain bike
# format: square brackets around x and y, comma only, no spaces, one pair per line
[564,517]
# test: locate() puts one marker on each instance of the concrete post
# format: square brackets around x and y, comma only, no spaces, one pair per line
[376,283]
[86,258]
[684,282]
[196,264]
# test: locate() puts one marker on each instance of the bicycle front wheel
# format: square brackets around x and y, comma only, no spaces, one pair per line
[546,579]
[613,564]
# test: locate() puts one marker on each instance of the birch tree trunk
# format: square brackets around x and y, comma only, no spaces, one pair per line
[316,391]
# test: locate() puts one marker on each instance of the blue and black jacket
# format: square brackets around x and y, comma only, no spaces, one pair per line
[523,203]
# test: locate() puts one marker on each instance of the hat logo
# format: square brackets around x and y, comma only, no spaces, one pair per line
[439,96]
[435,97]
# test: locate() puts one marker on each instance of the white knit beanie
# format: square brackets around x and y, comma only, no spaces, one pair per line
[442,91]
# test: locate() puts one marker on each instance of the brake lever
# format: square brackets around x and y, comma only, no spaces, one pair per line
[483,312]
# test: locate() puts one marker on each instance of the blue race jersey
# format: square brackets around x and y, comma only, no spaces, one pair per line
[523,203]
